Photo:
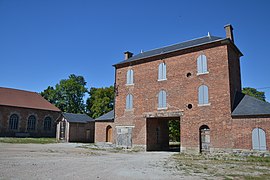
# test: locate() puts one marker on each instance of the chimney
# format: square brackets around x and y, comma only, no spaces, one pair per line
[229,31]
[128,55]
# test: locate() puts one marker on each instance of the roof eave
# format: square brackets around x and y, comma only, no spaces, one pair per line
[225,40]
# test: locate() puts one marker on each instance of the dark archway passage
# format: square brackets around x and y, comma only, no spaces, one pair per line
[159,136]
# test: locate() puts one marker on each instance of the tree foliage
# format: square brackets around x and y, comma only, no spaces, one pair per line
[254,92]
[100,101]
[174,130]
[68,94]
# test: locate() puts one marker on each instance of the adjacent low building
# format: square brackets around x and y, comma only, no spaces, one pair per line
[76,128]
[26,114]
[103,127]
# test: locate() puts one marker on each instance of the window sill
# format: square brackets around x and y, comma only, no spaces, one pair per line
[164,108]
[204,104]
[129,84]
[129,110]
[162,79]
[207,72]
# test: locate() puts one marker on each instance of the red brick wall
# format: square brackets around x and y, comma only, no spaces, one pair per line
[235,75]
[100,131]
[242,131]
[24,113]
[181,91]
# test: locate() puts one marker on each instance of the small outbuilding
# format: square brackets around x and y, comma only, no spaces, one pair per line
[76,128]
[104,128]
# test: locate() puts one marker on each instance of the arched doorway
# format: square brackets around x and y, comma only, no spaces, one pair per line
[204,139]
[109,134]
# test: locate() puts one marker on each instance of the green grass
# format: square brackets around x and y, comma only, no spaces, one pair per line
[28,140]
[226,166]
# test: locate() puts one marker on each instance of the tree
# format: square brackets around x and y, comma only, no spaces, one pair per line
[174,130]
[49,94]
[254,92]
[68,94]
[101,101]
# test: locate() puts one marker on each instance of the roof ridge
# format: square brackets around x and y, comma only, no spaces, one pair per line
[178,43]
[19,90]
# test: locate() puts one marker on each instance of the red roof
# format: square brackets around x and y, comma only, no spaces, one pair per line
[26,99]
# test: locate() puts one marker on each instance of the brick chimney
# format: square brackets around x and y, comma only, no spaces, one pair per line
[128,55]
[229,31]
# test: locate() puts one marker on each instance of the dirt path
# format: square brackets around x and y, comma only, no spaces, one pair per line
[68,161]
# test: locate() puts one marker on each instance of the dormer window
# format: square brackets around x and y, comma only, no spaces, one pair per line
[202,65]
[162,72]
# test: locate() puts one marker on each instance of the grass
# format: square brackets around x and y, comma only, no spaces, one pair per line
[225,166]
[28,140]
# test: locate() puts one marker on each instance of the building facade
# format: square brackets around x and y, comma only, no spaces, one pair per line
[26,114]
[196,82]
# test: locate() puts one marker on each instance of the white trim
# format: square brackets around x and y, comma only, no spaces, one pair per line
[130,84]
[163,108]
[208,104]
[207,72]
[162,79]
[121,126]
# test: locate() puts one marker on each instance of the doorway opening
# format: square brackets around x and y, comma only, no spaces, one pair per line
[204,139]
[163,134]
[109,134]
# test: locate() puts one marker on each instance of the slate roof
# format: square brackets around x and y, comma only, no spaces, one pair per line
[172,48]
[106,117]
[249,106]
[25,99]
[77,118]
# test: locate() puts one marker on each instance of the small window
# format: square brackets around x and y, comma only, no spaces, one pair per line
[130,76]
[13,122]
[162,72]
[31,124]
[203,95]
[258,139]
[47,124]
[202,64]
[162,103]
[129,101]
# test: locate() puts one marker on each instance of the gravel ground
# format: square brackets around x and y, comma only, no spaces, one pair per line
[72,161]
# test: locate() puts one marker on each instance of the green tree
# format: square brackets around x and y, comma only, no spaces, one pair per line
[49,94]
[68,94]
[101,101]
[174,130]
[254,92]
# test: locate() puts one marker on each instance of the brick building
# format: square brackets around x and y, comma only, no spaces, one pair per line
[26,114]
[196,82]
[75,128]
[104,125]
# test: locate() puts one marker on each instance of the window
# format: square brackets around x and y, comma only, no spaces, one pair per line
[47,124]
[258,139]
[162,103]
[13,122]
[162,72]
[130,76]
[202,64]
[129,101]
[203,95]
[31,124]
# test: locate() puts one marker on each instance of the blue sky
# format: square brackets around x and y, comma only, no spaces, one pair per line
[43,41]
